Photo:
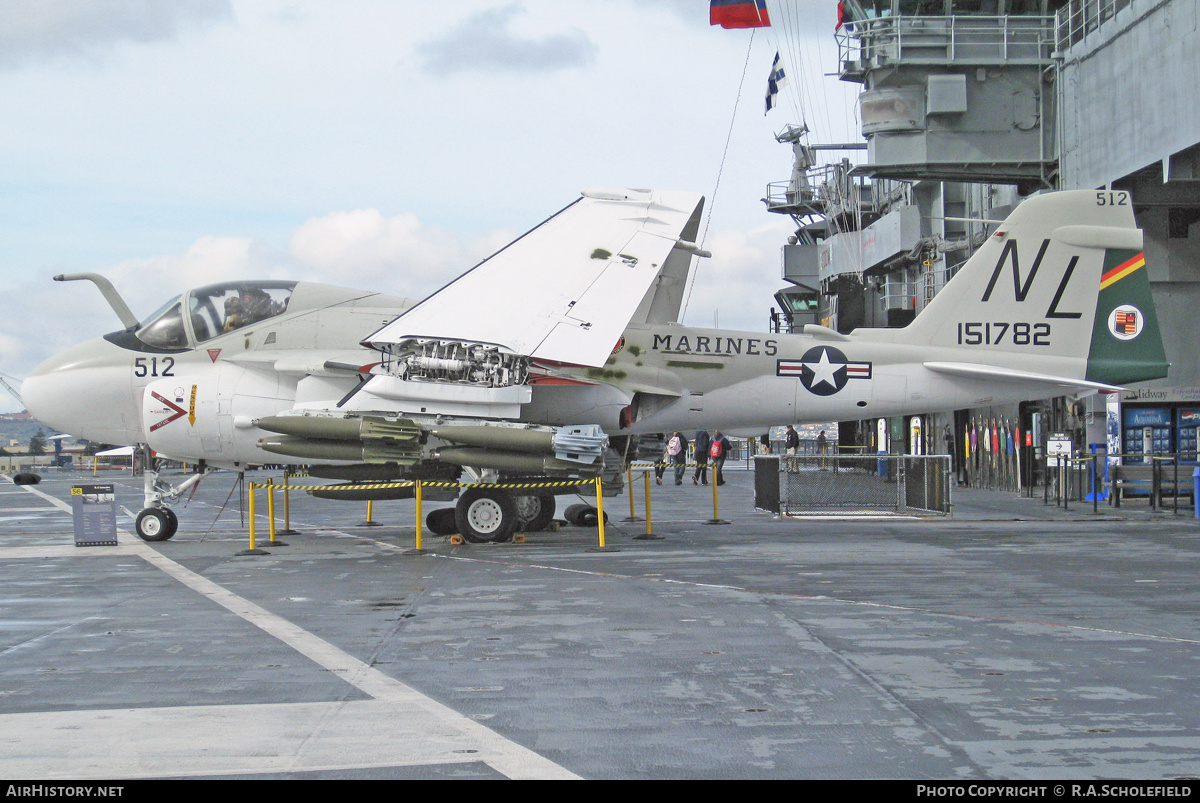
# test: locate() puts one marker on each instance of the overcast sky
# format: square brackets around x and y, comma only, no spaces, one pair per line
[380,144]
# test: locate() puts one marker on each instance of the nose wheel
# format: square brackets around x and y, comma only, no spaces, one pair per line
[156,524]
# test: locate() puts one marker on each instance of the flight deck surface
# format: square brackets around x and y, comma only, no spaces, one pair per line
[1014,641]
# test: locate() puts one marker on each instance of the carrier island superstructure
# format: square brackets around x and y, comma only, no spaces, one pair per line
[966,107]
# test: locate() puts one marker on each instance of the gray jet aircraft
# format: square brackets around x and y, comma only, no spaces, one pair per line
[525,366]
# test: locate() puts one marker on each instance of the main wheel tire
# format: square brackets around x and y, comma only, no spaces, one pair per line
[573,513]
[156,524]
[583,515]
[534,513]
[485,514]
[441,521]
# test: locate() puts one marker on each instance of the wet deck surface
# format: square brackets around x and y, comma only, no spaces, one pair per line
[1013,641]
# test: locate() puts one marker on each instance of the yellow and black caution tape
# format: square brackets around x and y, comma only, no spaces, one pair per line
[428,484]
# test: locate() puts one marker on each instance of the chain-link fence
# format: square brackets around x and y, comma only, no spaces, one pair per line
[844,483]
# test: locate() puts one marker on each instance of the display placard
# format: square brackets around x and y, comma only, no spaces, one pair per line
[1058,447]
[95,509]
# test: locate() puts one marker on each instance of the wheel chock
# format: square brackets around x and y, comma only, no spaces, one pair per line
[518,538]
[457,540]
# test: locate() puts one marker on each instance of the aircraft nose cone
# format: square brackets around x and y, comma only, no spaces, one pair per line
[86,391]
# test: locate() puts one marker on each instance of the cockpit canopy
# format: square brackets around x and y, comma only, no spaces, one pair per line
[214,310]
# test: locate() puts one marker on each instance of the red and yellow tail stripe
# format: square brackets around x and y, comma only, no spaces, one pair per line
[1121,271]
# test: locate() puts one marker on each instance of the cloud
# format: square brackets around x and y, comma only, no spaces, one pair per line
[207,261]
[688,11]
[396,255]
[484,42]
[736,284]
[45,30]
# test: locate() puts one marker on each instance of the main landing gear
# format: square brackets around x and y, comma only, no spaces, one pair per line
[485,514]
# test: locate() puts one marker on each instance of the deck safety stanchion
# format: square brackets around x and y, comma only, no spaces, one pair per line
[646,478]
[417,549]
[629,489]
[253,550]
[370,522]
[600,519]
[287,505]
[417,497]
[271,508]
[600,511]
[649,535]
[1175,484]
[271,513]
[716,519]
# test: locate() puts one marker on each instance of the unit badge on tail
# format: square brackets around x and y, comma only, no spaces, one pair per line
[1125,322]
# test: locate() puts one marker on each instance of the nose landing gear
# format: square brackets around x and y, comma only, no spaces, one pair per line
[156,524]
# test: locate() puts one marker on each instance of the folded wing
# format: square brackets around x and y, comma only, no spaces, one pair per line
[567,289]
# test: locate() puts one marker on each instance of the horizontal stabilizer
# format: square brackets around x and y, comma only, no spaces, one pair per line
[998,374]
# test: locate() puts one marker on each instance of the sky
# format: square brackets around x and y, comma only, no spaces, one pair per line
[378,144]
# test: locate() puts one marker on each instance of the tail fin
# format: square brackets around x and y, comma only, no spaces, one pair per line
[1064,276]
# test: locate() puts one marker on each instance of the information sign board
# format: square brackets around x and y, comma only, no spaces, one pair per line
[1058,446]
[95,509]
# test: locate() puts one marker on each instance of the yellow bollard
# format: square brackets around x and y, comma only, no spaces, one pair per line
[370,522]
[271,508]
[252,516]
[287,505]
[646,477]
[600,512]
[417,495]
[629,490]
[600,519]
[716,519]
[254,550]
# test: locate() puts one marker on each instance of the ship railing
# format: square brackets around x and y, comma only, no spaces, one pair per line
[1080,17]
[865,44]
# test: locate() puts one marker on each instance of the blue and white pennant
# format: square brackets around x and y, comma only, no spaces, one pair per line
[777,79]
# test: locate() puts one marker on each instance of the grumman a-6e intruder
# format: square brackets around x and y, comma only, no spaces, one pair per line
[536,364]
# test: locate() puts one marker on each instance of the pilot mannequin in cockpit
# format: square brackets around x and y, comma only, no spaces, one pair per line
[235,316]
